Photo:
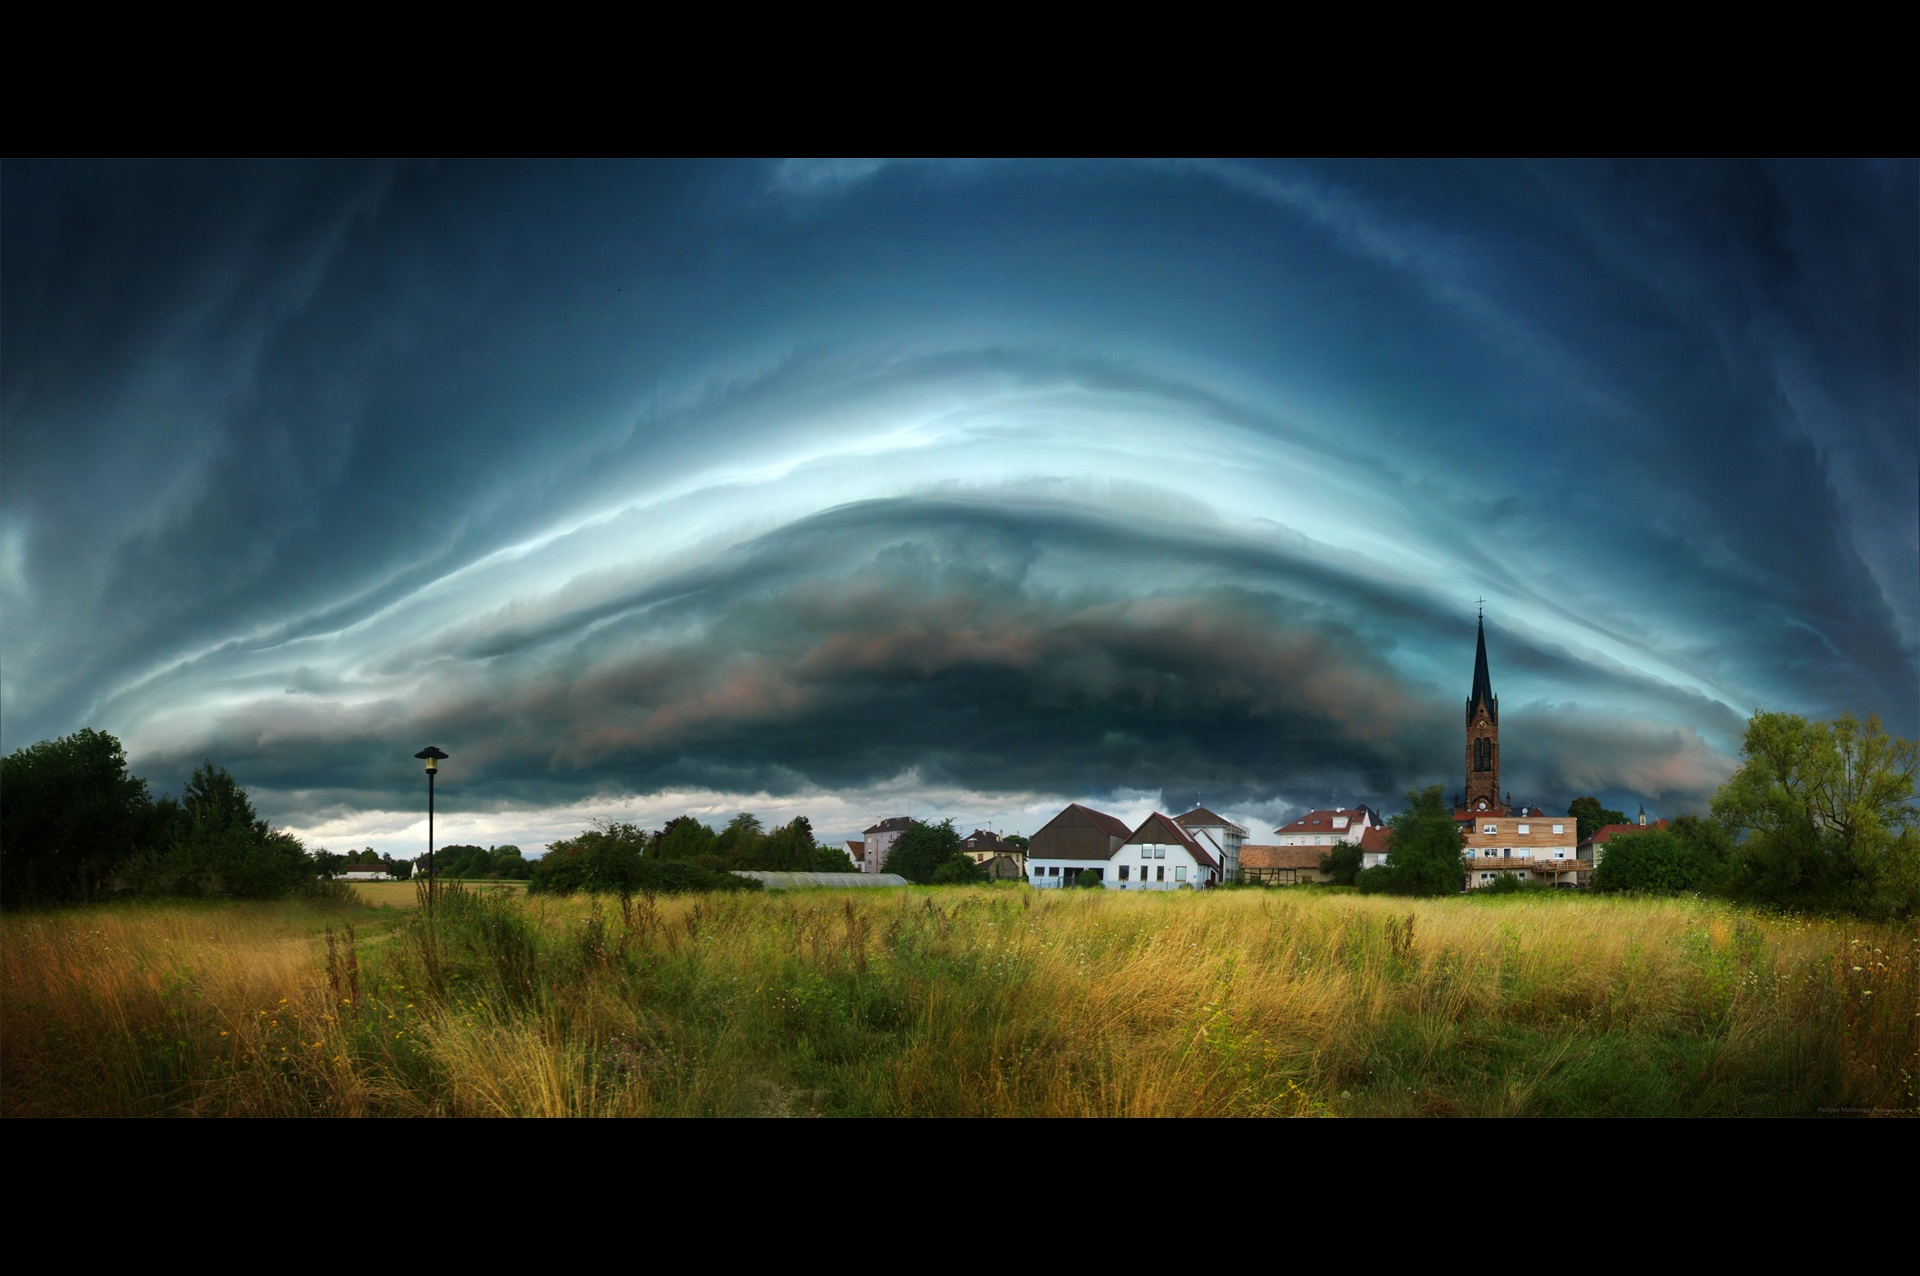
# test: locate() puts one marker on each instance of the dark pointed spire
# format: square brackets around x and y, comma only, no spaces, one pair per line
[1482,681]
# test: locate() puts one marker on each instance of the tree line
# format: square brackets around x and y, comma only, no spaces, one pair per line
[1819,816]
[685,854]
[74,823]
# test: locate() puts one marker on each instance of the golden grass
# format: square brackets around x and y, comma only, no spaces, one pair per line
[960,1001]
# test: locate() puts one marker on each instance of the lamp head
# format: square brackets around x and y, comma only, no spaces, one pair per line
[433,757]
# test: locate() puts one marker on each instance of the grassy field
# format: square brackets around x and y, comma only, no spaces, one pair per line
[955,1002]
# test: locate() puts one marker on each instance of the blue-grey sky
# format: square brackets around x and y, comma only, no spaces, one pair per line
[846,487]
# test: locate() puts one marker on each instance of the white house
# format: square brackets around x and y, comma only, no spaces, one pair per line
[1227,835]
[1163,856]
[1328,828]
[1159,855]
[1077,839]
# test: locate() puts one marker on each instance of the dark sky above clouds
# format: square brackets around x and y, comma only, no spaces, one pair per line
[837,487]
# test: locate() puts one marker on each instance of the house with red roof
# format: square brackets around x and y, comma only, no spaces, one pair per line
[1594,848]
[1328,827]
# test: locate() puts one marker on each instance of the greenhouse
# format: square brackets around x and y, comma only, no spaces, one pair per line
[802,881]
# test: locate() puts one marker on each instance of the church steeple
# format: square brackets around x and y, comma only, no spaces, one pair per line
[1483,735]
[1482,682]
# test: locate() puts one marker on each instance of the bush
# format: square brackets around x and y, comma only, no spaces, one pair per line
[1088,877]
[1512,884]
[1342,863]
[611,859]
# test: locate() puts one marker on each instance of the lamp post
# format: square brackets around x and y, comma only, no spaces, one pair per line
[433,758]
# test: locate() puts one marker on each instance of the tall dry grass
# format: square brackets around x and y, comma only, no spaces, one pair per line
[962,1001]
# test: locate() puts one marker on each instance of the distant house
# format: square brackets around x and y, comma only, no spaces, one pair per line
[1003,868]
[1158,855]
[1282,865]
[1539,847]
[1594,848]
[364,873]
[1373,846]
[879,840]
[1078,838]
[1227,835]
[1328,827]
[982,846]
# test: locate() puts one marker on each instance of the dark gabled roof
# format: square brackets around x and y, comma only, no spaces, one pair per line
[1482,683]
[893,824]
[986,840]
[1158,823]
[857,849]
[1200,816]
[1375,838]
[1112,824]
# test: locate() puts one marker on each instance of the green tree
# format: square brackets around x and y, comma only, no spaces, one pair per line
[1018,839]
[740,837]
[222,844]
[1652,860]
[684,838]
[70,814]
[923,850]
[1824,815]
[1589,816]
[1342,863]
[1423,849]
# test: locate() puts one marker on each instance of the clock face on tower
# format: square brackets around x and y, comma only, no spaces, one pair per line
[1483,804]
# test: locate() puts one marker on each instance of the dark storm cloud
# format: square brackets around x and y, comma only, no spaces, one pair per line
[988,646]
[586,465]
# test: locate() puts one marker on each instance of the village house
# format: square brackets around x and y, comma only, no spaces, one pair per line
[1328,827]
[1542,848]
[983,844]
[1282,865]
[1227,835]
[1078,838]
[1594,848]
[1159,855]
[879,840]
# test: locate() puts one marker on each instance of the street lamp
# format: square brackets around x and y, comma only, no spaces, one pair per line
[433,757]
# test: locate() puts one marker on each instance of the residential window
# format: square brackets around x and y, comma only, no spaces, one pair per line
[1525,829]
[1180,873]
[1054,871]
[1123,872]
[1490,828]
[1559,828]
[1159,872]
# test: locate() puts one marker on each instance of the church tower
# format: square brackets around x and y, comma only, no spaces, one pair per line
[1483,737]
